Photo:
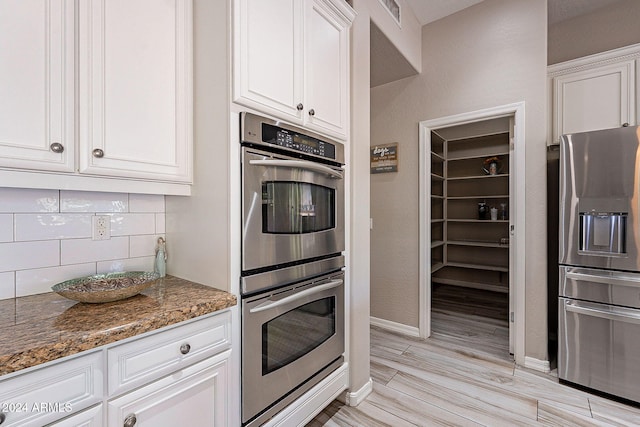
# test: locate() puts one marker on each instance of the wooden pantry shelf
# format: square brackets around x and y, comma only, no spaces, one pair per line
[469,177]
[479,266]
[474,285]
[478,243]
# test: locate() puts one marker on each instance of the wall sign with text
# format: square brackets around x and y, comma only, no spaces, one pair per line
[384,158]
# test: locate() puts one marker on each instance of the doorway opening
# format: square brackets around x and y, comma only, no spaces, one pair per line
[471,209]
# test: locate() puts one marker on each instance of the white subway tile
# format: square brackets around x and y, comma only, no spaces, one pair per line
[128,264]
[143,245]
[40,280]
[6,228]
[131,224]
[52,226]
[160,223]
[28,200]
[25,255]
[89,201]
[146,203]
[7,285]
[76,251]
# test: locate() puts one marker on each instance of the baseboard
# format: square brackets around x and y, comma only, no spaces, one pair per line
[537,364]
[307,406]
[400,328]
[353,398]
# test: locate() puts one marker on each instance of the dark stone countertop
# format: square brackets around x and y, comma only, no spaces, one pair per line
[40,328]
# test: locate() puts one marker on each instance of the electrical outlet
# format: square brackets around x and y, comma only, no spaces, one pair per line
[101,229]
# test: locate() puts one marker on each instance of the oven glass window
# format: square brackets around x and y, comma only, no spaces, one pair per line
[297,332]
[297,207]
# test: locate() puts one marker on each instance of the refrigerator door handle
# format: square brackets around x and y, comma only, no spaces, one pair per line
[608,280]
[627,316]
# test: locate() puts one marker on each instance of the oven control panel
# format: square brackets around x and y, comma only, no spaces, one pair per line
[303,143]
[262,131]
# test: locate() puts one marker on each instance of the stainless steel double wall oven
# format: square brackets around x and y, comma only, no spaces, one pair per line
[292,282]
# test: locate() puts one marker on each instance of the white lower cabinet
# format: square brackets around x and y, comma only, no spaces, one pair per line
[176,376]
[194,396]
[51,393]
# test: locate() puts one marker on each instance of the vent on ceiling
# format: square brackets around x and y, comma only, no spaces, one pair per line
[393,8]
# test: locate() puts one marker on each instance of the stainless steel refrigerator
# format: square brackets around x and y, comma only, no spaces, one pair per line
[599,261]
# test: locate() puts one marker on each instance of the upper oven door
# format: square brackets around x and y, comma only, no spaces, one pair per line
[292,210]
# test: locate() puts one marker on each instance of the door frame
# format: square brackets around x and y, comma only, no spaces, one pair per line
[516,216]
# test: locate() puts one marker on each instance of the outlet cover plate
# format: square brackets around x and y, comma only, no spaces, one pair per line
[101,227]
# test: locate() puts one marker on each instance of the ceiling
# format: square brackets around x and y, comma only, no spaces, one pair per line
[558,10]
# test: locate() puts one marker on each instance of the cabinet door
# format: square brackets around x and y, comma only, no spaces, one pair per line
[92,417]
[194,396]
[37,84]
[135,94]
[267,56]
[594,99]
[326,69]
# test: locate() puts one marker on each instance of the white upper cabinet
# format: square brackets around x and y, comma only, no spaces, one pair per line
[291,60]
[37,84]
[593,93]
[126,114]
[134,73]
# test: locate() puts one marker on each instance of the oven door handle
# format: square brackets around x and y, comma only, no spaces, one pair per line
[626,316]
[269,304]
[302,164]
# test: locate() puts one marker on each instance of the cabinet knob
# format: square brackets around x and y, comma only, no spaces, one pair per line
[130,421]
[185,348]
[300,107]
[624,125]
[312,112]
[97,152]
[2,417]
[56,147]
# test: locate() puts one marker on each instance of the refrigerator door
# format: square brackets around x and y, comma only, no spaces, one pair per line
[599,199]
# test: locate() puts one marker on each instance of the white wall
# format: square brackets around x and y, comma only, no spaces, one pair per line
[491,54]
[198,228]
[45,236]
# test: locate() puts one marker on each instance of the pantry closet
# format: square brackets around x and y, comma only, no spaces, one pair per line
[470,198]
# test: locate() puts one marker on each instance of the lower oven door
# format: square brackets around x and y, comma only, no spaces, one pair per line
[289,337]
[599,347]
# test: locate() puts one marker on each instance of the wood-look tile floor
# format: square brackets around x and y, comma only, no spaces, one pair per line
[463,376]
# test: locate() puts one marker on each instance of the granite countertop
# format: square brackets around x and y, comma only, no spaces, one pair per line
[40,328]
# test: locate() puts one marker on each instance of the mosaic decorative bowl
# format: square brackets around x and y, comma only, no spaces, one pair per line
[106,287]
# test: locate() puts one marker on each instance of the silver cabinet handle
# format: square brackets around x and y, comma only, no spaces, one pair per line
[56,147]
[130,421]
[97,152]
[300,107]
[185,348]
[269,304]
[302,164]
[615,314]
[312,112]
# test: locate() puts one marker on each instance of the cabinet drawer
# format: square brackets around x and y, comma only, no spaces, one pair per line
[53,392]
[146,359]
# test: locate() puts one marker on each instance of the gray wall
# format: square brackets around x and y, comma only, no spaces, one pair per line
[604,29]
[491,54]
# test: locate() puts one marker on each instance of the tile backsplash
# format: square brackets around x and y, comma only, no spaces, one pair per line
[45,236]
